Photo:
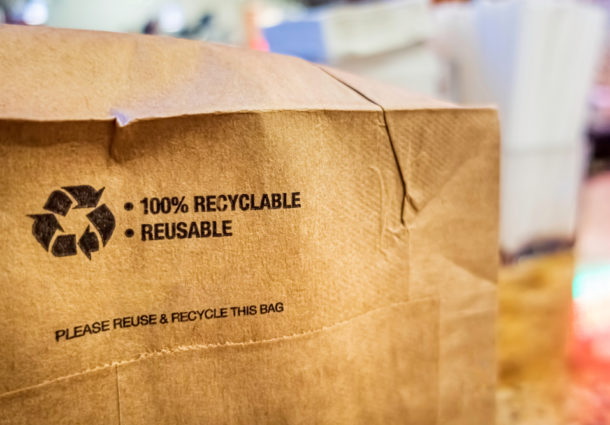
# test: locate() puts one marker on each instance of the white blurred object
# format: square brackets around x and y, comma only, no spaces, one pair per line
[536,60]
[133,15]
[370,29]
[103,15]
[35,12]
[540,191]
[385,40]
[413,68]
[171,18]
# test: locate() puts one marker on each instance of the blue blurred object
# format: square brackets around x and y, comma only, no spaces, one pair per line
[303,38]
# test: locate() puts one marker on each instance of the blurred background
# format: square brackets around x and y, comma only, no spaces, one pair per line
[546,65]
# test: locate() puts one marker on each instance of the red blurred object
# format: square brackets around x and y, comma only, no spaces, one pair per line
[589,398]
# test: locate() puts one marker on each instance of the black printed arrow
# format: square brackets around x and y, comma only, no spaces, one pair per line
[58,203]
[86,196]
[88,243]
[44,227]
[64,246]
[103,220]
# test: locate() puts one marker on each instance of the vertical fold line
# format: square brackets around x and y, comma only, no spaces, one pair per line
[403,181]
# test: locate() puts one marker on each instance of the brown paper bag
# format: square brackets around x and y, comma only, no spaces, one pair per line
[194,233]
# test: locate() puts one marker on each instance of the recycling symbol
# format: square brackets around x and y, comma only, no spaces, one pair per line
[100,222]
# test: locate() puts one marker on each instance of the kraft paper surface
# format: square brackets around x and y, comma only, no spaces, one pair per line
[194,233]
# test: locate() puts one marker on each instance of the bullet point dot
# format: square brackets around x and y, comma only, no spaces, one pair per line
[128,206]
[129,233]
